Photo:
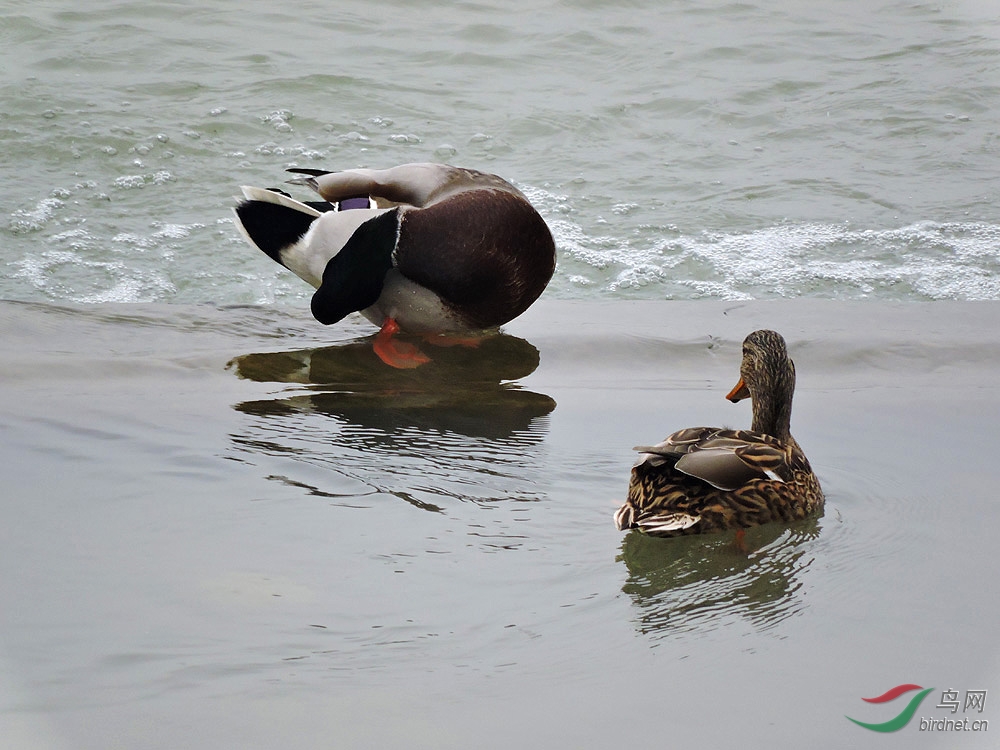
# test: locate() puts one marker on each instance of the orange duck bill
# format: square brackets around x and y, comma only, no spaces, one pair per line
[739,392]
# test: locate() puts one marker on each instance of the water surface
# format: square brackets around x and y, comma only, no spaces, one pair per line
[226,525]
[678,150]
[216,532]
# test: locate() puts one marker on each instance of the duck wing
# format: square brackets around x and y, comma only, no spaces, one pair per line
[418,185]
[725,459]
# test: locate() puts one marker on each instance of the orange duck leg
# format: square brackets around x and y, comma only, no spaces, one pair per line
[395,353]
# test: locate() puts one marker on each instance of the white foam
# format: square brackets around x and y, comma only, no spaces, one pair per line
[130,288]
[33,219]
[175,231]
[130,181]
[134,240]
[278,119]
[923,260]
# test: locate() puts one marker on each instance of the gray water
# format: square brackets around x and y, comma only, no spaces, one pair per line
[223,530]
[224,525]
[678,150]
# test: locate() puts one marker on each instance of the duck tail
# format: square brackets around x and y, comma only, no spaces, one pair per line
[272,221]
[625,517]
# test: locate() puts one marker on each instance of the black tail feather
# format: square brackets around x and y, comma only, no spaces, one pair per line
[321,206]
[272,227]
[306,170]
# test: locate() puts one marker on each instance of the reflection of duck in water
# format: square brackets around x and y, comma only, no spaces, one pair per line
[425,248]
[694,585]
[704,479]
[342,381]
[461,428]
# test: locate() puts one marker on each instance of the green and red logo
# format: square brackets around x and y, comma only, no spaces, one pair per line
[904,716]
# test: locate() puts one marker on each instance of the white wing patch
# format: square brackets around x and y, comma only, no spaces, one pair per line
[326,237]
[668,522]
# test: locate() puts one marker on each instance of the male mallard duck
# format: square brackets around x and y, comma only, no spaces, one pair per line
[705,479]
[426,248]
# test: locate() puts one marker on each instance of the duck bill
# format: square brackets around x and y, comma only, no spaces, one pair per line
[739,392]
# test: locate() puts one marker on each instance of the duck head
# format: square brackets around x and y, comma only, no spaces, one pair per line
[767,377]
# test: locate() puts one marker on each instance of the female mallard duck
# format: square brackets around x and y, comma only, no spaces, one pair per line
[705,479]
[426,248]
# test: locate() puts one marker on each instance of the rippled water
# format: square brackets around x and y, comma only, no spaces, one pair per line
[225,525]
[219,526]
[678,150]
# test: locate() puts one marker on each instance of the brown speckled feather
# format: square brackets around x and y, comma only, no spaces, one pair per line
[705,479]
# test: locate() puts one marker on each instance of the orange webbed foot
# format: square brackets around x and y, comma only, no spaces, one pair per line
[741,542]
[398,354]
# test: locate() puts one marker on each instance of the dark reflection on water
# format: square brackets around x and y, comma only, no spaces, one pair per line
[691,585]
[459,426]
